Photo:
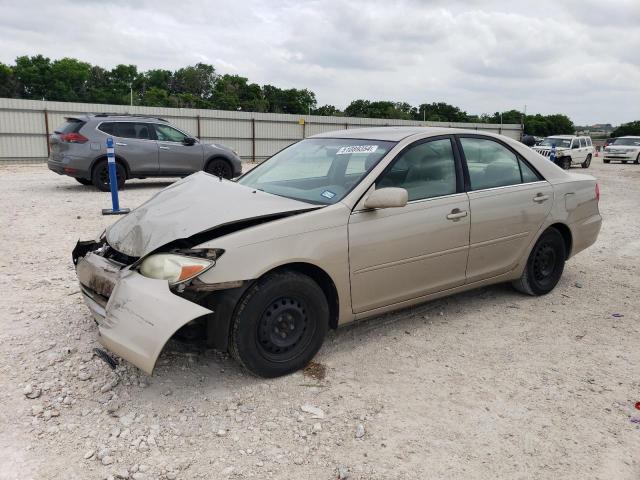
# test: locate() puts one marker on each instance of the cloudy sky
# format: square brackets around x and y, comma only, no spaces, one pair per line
[576,57]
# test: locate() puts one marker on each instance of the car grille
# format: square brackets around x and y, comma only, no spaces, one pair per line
[544,153]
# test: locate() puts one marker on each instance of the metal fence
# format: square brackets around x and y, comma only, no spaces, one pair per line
[26,124]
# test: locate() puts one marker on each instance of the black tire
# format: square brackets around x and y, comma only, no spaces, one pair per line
[565,163]
[220,168]
[100,176]
[606,161]
[587,162]
[637,160]
[84,181]
[624,161]
[545,264]
[279,324]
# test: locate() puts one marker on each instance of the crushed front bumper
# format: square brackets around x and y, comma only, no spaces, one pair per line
[136,315]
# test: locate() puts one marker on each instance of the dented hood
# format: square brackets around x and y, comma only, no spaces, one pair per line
[193,205]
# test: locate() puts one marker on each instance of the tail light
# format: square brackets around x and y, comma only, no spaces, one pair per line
[597,192]
[73,138]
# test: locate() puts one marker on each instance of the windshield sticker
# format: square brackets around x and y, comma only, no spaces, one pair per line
[328,194]
[357,149]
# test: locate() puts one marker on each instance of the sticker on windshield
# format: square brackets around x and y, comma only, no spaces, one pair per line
[328,194]
[357,149]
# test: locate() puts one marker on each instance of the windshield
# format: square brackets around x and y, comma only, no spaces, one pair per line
[317,170]
[558,142]
[627,141]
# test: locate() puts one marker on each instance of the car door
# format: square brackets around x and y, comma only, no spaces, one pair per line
[508,201]
[175,156]
[135,143]
[397,254]
[578,151]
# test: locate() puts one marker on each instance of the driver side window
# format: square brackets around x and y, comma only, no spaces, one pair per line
[167,134]
[425,170]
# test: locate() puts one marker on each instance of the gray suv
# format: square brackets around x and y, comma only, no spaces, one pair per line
[144,147]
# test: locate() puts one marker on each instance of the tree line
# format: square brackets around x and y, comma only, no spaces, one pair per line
[200,86]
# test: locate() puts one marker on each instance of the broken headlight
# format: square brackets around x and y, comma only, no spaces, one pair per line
[174,268]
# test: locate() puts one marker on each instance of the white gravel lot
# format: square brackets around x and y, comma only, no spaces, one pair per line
[483,385]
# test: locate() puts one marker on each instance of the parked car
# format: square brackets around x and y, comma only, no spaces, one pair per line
[144,146]
[338,227]
[609,141]
[570,150]
[623,149]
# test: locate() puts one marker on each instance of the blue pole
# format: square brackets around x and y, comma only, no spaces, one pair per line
[113,182]
[113,177]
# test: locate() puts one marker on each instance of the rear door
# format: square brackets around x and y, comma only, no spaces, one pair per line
[578,150]
[135,142]
[508,200]
[176,157]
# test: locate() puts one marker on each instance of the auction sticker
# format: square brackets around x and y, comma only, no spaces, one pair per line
[357,149]
[328,194]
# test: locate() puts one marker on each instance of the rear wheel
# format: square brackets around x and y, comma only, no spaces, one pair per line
[586,162]
[220,168]
[279,324]
[100,176]
[544,266]
[84,181]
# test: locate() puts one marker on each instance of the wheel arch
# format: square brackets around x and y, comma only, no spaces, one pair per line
[567,236]
[324,281]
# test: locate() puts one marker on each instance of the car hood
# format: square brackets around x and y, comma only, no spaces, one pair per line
[195,204]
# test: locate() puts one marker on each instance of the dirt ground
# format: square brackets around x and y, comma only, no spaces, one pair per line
[483,385]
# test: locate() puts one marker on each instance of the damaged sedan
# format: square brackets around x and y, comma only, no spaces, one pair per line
[335,228]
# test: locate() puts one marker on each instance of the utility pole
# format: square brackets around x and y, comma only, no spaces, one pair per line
[131,93]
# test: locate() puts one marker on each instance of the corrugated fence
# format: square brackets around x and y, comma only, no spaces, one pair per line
[26,124]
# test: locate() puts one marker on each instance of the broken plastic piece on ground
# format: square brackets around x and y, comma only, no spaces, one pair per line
[108,359]
[617,315]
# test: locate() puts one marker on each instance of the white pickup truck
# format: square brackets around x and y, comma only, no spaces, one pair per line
[569,150]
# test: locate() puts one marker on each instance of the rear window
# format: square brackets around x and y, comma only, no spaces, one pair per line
[72,125]
[141,131]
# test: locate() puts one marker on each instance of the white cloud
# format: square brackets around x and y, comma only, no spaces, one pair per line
[575,57]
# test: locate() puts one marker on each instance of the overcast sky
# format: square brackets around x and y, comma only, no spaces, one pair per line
[581,58]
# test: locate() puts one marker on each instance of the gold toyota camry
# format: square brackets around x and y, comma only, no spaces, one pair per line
[337,227]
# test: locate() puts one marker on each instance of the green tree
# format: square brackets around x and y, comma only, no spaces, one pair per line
[233,92]
[69,80]
[327,111]
[197,80]
[8,84]
[631,128]
[33,75]
[440,112]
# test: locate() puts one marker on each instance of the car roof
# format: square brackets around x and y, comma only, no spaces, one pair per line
[563,136]
[116,117]
[630,136]
[392,134]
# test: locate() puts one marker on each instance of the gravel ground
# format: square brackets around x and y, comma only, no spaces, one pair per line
[487,384]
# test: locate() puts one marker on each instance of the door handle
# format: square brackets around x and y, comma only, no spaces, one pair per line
[164,148]
[121,144]
[456,213]
[541,197]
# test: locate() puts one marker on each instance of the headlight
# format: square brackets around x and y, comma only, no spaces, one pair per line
[174,268]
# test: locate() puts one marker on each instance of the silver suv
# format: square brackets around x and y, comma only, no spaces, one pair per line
[145,147]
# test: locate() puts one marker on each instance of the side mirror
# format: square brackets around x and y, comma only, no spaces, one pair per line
[389,197]
[189,141]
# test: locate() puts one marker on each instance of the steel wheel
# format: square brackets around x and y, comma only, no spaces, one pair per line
[545,264]
[283,328]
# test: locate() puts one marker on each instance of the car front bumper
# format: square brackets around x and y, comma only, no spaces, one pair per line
[136,315]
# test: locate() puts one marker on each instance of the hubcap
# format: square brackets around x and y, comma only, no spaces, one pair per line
[282,325]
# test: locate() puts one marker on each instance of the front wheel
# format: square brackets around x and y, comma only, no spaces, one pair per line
[279,324]
[544,266]
[586,162]
[100,176]
[220,168]
[565,163]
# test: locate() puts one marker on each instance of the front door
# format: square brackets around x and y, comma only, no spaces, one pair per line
[509,202]
[397,254]
[176,157]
